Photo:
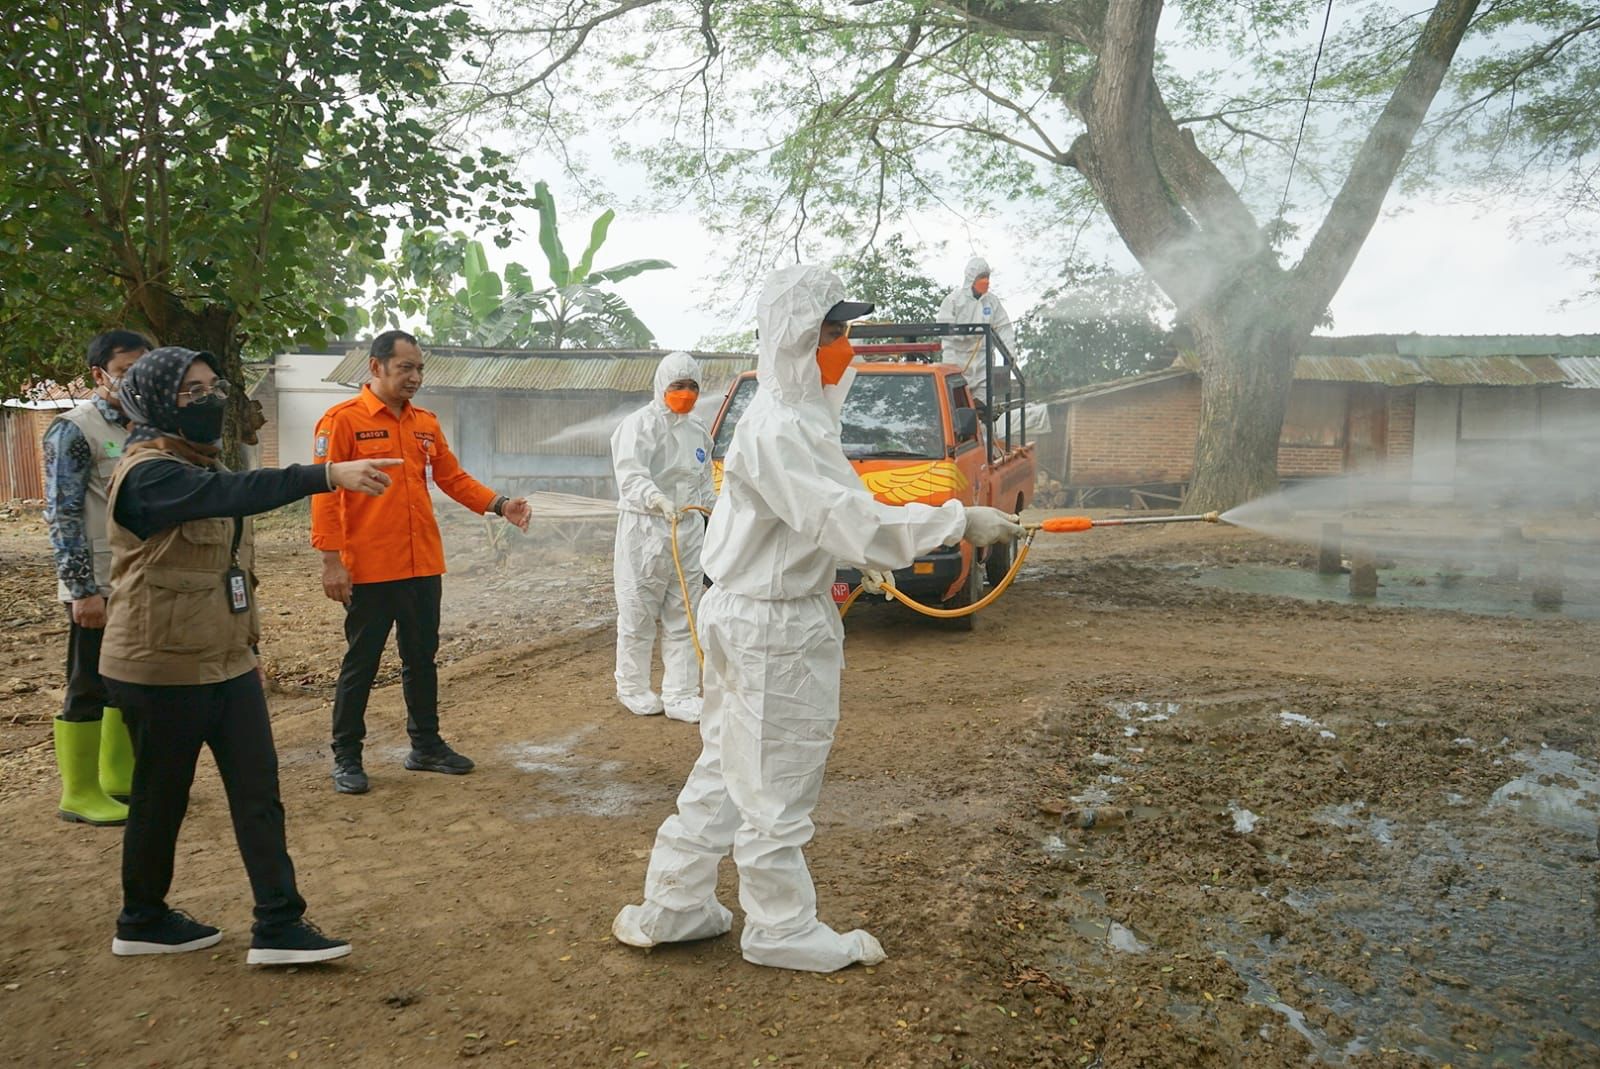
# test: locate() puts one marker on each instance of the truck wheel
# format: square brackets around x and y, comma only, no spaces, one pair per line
[970,594]
[997,562]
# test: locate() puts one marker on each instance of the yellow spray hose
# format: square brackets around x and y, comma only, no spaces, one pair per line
[951,614]
[889,588]
[683,582]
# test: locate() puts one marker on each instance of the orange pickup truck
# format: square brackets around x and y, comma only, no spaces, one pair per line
[913,432]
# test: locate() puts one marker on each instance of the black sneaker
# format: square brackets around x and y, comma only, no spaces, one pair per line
[176,933]
[443,759]
[348,778]
[296,944]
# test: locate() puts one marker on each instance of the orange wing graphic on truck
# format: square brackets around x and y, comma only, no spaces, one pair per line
[932,483]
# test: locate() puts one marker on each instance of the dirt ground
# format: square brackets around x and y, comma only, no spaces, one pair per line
[1352,835]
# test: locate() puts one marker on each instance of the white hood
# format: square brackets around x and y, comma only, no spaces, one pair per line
[975,267]
[673,366]
[789,321]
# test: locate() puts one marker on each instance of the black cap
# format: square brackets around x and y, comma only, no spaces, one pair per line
[845,311]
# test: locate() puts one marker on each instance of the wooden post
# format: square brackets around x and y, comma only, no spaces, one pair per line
[1510,548]
[1363,572]
[1547,575]
[1328,560]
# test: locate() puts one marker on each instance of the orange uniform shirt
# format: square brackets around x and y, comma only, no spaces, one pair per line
[392,536]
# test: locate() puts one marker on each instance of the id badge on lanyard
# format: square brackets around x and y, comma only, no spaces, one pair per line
[234,581]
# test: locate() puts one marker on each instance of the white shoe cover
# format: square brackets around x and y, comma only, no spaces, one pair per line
[684,709]
[650,924]
[646,704]
[820,949]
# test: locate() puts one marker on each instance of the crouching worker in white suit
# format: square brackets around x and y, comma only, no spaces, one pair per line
[661,456]
[791,509]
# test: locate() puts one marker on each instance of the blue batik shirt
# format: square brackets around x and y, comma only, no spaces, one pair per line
[68,464]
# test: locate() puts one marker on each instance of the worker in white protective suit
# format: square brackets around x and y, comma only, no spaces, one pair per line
[974,302]
[791,510]
[661,456]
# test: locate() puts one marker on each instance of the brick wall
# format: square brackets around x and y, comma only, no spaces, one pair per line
[266,392]
[1147,435]
[1136,436]
[1300,460]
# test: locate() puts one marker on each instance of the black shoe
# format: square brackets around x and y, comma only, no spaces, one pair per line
[348,778]
[443,759]
[295,944]
[176,933]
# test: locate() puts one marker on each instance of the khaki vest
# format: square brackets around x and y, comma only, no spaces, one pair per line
[168,622]
[106,440]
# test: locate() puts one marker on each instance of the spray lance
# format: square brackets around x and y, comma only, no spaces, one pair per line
[1073,524]
[1053,525]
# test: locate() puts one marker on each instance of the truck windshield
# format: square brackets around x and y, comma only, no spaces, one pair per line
[885,415]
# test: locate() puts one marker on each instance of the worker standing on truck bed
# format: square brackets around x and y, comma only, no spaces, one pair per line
[972,302]
[791,509]
[661,456]
[382,557]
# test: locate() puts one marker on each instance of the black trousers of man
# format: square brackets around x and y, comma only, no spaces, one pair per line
[86,693]
[169,725]
[410,607]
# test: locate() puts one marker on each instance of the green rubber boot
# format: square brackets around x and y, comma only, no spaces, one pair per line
[116,756]
[78,757]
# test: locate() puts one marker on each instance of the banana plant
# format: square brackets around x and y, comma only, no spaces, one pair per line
[447,280]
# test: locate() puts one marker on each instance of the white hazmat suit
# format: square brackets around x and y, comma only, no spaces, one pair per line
[791,509]
[961,306]
[662,463]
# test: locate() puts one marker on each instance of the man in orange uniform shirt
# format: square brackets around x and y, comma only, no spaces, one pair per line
[382,557]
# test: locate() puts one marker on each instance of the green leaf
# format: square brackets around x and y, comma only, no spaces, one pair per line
[549,238]
[627,270]
[597,238]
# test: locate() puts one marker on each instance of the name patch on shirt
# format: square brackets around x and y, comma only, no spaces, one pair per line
[367,436]
[425,440]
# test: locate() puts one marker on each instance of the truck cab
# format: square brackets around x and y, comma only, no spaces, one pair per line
[914,434]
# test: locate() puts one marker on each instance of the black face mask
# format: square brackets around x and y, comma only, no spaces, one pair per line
[202,421]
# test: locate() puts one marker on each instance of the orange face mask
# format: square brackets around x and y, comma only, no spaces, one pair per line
[681,401]
[981,286]
[833,359]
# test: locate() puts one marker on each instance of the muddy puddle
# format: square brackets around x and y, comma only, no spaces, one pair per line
[570,783]
[1411,586]
[1465,931]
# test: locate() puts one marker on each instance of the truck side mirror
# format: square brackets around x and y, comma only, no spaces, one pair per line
[966,421]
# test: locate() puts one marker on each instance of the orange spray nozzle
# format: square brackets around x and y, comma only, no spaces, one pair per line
[1066,524]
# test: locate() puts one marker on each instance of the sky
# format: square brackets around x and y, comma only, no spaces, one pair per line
[1433,268]
[1434,265]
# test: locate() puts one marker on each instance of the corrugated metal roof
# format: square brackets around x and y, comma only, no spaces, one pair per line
[1385,369]
[578,371]
[1583,372]
[1416,360]
[1492,371]
[1460,345]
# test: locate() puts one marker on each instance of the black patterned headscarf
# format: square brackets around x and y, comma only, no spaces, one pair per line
[149,392]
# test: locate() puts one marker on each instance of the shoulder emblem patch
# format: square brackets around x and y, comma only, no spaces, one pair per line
[321,449]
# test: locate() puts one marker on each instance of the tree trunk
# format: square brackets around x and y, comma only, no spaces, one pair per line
[1245,375]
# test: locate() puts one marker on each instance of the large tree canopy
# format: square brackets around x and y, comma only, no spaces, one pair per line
[807,123]
[217,173]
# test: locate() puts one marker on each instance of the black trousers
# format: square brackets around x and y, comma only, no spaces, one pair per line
[169,725]
[86,694]
[410,607]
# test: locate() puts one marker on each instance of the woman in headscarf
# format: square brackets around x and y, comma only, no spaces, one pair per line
[179,652]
